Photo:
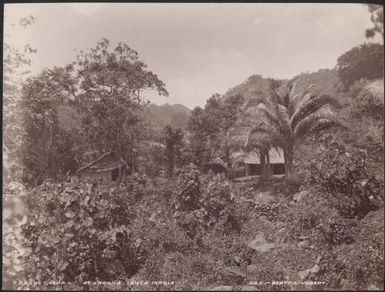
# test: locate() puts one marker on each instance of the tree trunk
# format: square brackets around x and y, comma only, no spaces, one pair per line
[290,175]
[227,156]
[263,164]
[268,166]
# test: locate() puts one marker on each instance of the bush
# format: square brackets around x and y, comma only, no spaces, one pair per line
[360,265]
[203,202]
[216,197]
[188,189]
[80,233]
[364,103]
[344,179]
[365,262]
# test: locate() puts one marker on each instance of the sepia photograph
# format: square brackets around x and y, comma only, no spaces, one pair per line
[193,146]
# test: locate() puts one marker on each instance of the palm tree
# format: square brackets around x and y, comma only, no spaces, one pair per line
[281,120]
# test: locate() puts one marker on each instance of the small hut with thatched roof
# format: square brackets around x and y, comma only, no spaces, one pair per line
[108,167]
[253,166]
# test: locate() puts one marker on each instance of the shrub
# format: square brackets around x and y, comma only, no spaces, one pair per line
[360,265]
[80,233]
[188,189]
[203,202]
[344,179]
[365,261]
[364,103]
[216,197]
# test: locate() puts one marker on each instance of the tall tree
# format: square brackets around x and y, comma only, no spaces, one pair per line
[111,81]
[364,61]
[230,110]
[197,136]
[174,142]
[377,18]
[47,149]
[106,85]
[16,63]
[214,123]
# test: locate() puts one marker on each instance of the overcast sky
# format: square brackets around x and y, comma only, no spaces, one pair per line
[197,49]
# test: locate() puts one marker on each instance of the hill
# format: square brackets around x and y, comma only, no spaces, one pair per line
[325,81]
[254,86]
[70,117]
[175,115]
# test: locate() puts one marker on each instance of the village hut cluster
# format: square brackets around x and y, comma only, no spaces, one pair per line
[111,168]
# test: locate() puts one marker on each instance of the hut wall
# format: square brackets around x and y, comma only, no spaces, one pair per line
[106,175]
[253,169]
[278,168]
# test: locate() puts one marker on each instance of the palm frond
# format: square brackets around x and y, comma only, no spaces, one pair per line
[237,129]
[259,140]
[291,88]
[276,135]
[322,124]
[305,126]
[237,137]
[272,101]
[284,120]
[283,99]
[265,114]
[263,127]
[310,87]
[311,106]
[297,100]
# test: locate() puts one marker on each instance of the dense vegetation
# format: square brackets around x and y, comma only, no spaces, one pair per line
[170,224]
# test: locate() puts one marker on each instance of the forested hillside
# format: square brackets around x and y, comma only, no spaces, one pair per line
[175,115]
[255,85]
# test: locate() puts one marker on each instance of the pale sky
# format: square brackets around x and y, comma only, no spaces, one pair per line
[197,49]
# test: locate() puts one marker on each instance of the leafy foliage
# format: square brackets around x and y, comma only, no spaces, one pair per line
[48,150]
[210,128]
[80,233]
[188,189]
[174,143]
[365,61]
[216,196]
[203,202]
[16,62]
[377,17]
[105,84]
[344,178]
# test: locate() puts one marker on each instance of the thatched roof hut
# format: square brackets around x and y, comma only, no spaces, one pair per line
[108,167]
[252,162]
